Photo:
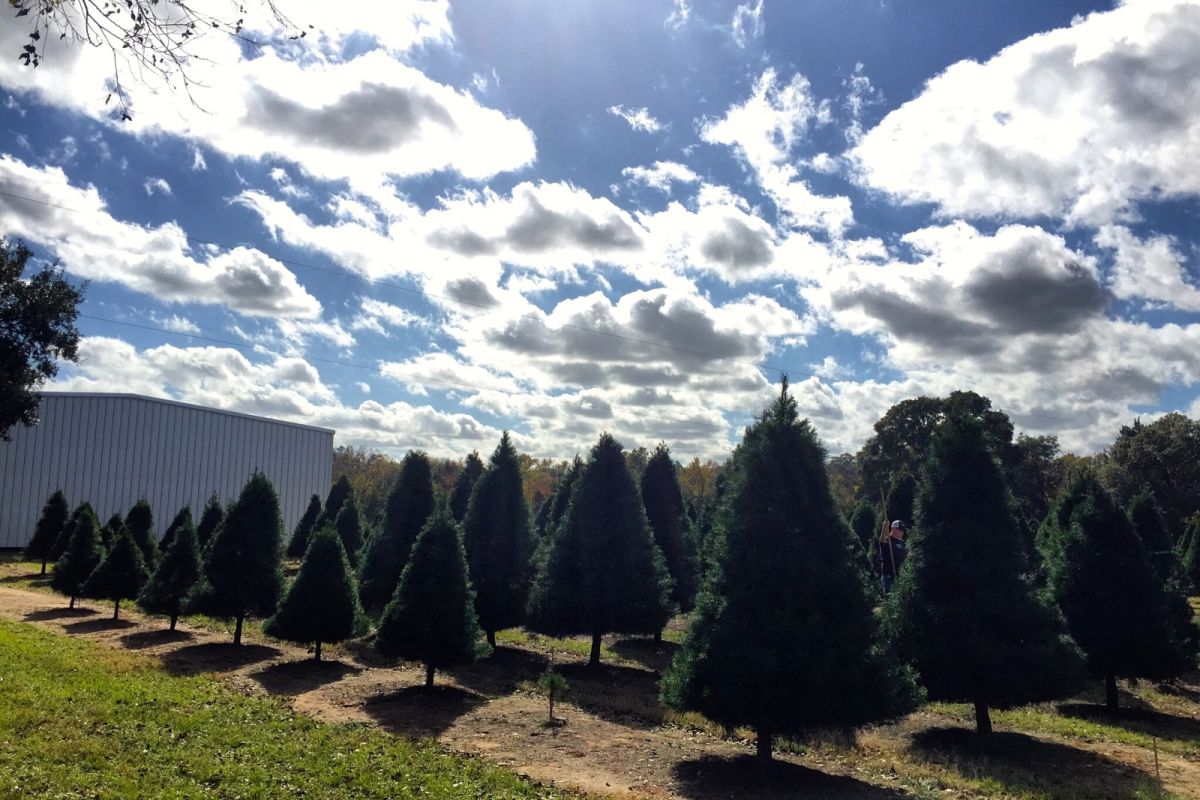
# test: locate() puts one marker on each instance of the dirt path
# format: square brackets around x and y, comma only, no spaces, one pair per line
[613,744]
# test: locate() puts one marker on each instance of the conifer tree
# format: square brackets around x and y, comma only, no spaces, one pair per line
[499,542]
[561,498]
[963,610]
[600,571]
[1189,552]
[60,545]
[140,523]
[321,605]
[210,520]
[178,573]
[1116,607]
[783,639]
[1150,527]
[338,493]
[243,568]
[408,505]
[182,517]
[304,528]
[120,575]
[349,527]
[665,510]
[431,618]
[81,556]
[900,497]
[460,496]
[865,525]
[109,531]
[542,517]
[49,527]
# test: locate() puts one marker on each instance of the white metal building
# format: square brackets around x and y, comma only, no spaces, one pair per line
[113,449]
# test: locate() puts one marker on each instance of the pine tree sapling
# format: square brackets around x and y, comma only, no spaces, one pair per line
[140,523]
[499,542]
[783,637]
[338,493]
[304,528]
[665,510]
[600,570]
[555,687]
[431,618]
[321,605]
[460,496]
[81,556]
[243,567]
[182,517]
[963,610]
[409,505]
[210,520]
[1117,608]
[349,526]
[177,574]
[49,527]
[120,575]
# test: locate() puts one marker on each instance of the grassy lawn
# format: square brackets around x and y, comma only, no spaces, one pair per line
[82,721]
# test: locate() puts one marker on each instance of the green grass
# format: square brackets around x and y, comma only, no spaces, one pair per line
[578,646]
[81,721]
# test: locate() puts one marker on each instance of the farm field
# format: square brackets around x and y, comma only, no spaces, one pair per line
[135,687]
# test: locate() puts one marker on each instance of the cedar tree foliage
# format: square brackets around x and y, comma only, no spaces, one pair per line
[81,556]
[600,570]
[783,638]
[431,618]
[120,575]
[409,505]
[349,526]
[964,611]
[182,517]
[178,572]
[667,515]
[109,531]
[304,528]
[460,496]
[1148,523]
[64,538]
[1117,608]
[37,330]
[49,528]
[140,522]
[499,542]
[558,502]
[338,493]
[210,520]
[243,569]
[321,605]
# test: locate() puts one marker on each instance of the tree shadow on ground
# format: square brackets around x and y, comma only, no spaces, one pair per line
[419,712]
[143,639]
[297,677]
[215,657]
[98,626]
[650,654]
[1022,763]
[34,579]
[713,777]
[59,613]
[624,695]
[1143,720]
[1188,691]
[502,671]
[362,651]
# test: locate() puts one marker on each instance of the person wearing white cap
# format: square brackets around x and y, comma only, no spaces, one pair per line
[892,550]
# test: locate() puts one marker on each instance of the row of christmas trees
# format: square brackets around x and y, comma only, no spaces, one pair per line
[784,637]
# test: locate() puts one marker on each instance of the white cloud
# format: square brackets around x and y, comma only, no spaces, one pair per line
[747,23]
[157,185]
[680,13]
[375,314]
[1150,269]
[175,323]
[661,175]
[640,119]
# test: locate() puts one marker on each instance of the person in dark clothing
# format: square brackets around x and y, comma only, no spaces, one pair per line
[892,550]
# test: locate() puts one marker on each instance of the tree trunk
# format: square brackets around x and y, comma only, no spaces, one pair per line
[594,660]
[551,706]
[174,619]
[983,718]
[72,605]
[1110,692]
[765,740]
[43,567]
[429,676]
[317,655]
[491,639]
[116,608]
[237,631]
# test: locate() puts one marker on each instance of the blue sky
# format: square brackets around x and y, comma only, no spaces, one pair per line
[422,229]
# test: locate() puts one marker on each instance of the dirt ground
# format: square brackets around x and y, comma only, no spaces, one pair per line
[615,741]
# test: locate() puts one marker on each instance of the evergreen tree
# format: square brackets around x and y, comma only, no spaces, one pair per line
[109,532]
[1150,527]
[431,618]
[178,573]
[49,527]
[499,542]
[321,605]
[963,610]
[900,497]
[600,570]
[140,523]
[338,493]
[1116,607]
[64,538]
[542,517]
[120,575]
[409,504]
[665,510]
[243,568]
[304,528]
[783,638]
[561,498]
[460,496]
[865,525]
[81,556]
[349,527]
[182,517]
[1189,552]
[210,520]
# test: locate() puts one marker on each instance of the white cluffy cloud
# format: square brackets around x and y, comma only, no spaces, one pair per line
[640,119]
[747,23]
[661,175]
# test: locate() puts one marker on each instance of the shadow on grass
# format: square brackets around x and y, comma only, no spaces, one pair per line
[713,777]
[1022,763]
[624,695]
[97,626]
[143,639]
[1142,720]
[502,671]
[34,579]
[419,712]
[297,677]
[213,657]
[59,613]
[1182,690]
[650,654]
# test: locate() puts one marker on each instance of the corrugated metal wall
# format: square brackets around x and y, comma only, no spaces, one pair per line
[114,449]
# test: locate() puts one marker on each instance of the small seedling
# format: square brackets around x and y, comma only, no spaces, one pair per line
[555,687]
